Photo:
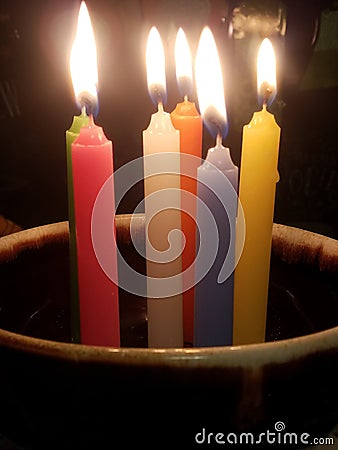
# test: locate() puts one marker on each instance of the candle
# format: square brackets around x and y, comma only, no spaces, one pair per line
[217,180]
[258,178]
[188,121]
[71,134]
[92,165]
[162,210]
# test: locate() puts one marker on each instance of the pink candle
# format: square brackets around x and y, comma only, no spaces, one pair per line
[92,164]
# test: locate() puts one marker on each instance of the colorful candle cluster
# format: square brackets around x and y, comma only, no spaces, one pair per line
[210,302]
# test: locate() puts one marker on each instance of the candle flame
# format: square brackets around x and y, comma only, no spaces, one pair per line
[266,72]
[155,61]
[209,82]
[83,62]
[183,63]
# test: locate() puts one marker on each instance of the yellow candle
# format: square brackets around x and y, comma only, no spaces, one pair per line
[257,186]
[161,146]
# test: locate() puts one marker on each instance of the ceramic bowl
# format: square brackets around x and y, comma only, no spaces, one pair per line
[60,395]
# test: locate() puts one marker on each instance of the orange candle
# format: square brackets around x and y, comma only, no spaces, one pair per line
[188,121]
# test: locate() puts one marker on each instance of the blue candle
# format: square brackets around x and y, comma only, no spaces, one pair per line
[217,180]
[217,201]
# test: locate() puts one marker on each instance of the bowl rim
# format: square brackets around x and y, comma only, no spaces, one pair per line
[246,356]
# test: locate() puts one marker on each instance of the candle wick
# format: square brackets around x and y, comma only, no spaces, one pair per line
[267,95]
[160,106]
[83,110]
[185,98]
[219,140]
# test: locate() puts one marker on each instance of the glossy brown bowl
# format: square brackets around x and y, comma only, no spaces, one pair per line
[59,395]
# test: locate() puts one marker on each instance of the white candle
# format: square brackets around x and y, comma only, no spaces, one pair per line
[161,150]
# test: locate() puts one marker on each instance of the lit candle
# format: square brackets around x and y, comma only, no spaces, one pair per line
[188,121]
[217,180]
[71,134]
[92,165]
[162,208]
[258,178]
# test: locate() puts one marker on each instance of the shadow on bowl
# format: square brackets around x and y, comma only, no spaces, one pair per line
[56,394]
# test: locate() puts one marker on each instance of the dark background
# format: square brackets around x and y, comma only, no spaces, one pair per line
[37,104]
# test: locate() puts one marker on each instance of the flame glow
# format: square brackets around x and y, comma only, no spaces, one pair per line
[83,59]
[183,63]
[209,82]
[155,61]
[266,69]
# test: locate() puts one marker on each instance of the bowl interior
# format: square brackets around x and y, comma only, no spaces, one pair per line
[35,296]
